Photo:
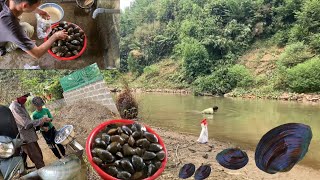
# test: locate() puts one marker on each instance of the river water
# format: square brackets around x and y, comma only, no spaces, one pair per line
[239,121]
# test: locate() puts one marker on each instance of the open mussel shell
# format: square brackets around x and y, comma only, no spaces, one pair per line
[232,158]
[282,147]
[187,171]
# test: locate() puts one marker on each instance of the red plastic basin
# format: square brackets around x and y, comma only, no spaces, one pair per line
[72,57]
[94,133]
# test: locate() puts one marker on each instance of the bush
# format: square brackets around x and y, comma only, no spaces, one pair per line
[315,42]
[218,83]
[304,78]
[280,38]
[151,71]
[136,62]
[294,54]
[241,75]
[55,90]
[196,58]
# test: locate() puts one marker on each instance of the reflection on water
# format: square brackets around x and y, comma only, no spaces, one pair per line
[240,121]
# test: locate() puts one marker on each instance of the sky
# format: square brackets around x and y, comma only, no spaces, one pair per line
[125,3]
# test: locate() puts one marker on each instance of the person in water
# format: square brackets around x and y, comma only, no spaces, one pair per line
[210,110]
[47,129]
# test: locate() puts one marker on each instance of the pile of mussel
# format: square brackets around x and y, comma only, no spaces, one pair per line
[127,151]
[72,45]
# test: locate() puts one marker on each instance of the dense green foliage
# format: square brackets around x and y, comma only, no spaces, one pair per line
[305,77]
[207,37]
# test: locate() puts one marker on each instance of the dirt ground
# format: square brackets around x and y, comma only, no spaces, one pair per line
[182,148]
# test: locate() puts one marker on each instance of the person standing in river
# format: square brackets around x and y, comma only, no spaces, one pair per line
[47,129]
[15,34]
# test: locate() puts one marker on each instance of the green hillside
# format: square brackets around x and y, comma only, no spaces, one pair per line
[248,46]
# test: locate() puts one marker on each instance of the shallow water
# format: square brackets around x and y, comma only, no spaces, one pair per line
[239,121]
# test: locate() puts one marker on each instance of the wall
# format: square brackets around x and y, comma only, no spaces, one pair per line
[97,92]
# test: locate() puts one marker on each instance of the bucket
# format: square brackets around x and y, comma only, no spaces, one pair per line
[100,127]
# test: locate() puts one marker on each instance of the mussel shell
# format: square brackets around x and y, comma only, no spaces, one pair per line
[202,172]
[75,52]
[68,54]
[124,175]
[99,143]
[76,30]
[120,131]
[126,130]
[232,158]
[119,154]
[154,147]
[76,42]
[128,151]
[117,138]
[148,155]
[97,160]
[112,170]
[161,155]
[158,164]
[151,137]
[282,147]
[106,138]
[137,135]
[126,165]
[187,171]
[139,151]
[125,137]
[144,143]
[138,175]
[70,30]
[131,141]
[137,163]
[114,147]
[105,155]
[151,169]
[112,131]
[94,153]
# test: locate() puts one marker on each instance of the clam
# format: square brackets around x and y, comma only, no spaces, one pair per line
[137,163]
[97,160]
[114,147]
[105,137]
[148,155]
[282,147]
[126,164]
[112,170]
[105,155]
[144,143]
[151,137]
[155,147]
[124,175]
[161,155]
[232,158]
[202,172]
[117,138]
[187,171]
[151,169]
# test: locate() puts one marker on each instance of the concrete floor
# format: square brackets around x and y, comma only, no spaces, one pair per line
[96,46]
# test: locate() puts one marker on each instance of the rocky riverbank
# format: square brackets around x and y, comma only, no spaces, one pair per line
[306,98]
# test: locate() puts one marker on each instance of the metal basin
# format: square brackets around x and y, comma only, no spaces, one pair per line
[56,6]
[65,135]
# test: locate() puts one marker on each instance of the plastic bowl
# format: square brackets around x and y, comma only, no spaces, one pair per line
[56,6]
[94,133]
[72,57]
